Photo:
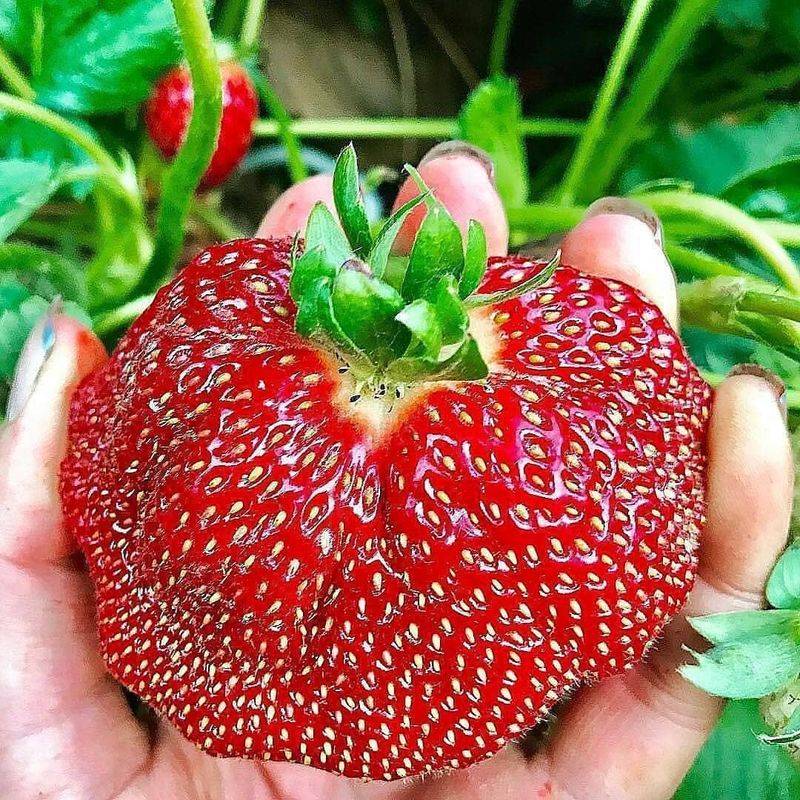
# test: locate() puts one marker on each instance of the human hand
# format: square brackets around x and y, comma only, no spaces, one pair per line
[67,731]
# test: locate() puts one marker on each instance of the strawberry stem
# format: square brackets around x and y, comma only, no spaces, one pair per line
[184,174]
[14,78]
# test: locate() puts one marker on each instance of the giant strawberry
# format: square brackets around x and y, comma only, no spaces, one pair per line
[341,510]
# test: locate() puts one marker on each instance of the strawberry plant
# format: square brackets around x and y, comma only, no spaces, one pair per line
[119,122]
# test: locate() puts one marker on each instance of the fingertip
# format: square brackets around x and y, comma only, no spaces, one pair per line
[461,178]
[750,481]
[289,213]
[626,248]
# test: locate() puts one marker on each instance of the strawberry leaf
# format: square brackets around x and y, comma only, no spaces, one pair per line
[105,56]
[754,653]
[24,186]
[746,669]
[350,203]
[783,587]
[475,259]
[437,251]
[450,312]
[306,269]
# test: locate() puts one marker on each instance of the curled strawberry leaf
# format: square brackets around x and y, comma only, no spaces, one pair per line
[350,203]
[754,653]
[323,231]
[382,248]
[783,587]
[420,318]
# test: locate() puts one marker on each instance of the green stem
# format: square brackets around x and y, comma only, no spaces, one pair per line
[403,128]
[732,220]
[501,36]
[215,220]
[787,233]
[275,106]
[183,176]
[251,25]
[13,78]
[699,264]
[109,171]
[111,321]
[686,21]
[773,305]
[606,98]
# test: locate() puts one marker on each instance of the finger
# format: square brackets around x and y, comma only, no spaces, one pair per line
[55,696]
[621,239]
[461,178]
[647,726]
[289,213]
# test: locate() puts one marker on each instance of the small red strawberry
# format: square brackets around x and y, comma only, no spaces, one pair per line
[169,109]
[341,510]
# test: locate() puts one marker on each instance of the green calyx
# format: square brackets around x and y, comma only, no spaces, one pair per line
[393,319]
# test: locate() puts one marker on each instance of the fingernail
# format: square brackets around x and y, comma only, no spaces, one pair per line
[775,383]
[37,348]
[455,147]
[628,208]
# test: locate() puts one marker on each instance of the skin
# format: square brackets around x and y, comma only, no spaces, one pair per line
[67,732]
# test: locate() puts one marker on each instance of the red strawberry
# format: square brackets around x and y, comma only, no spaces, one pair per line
[169,109]
[296,562]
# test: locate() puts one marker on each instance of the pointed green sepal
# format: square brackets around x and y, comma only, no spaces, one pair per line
[475,259]
[349,202]
[306,268]
[421,320]
[437,251]
[381,250]
[323,231]
[366,309]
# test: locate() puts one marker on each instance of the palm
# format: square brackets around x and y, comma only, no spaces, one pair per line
[67,730]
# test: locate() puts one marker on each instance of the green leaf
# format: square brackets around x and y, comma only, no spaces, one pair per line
[450,312]
[740,625]
[475,259]
[735,765]
[783,587]
[366,309]
[718,157]
[437,251]
[381,250]
[103,57]
[746,668]
[350,202]
[490,120]
[747,15]
[30,279]
[323,232]
[420,318]
[43,272]
[24,187]
[27,140]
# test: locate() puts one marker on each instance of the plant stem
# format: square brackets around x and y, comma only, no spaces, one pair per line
[403,127]
[109,170]
[183,176]
[215,221]
[773,305]
[732,220]
[251,25]
[686,21]
[275,106]
[606,98]
[111,321]
[787,233]
[13,78]
[501,36]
